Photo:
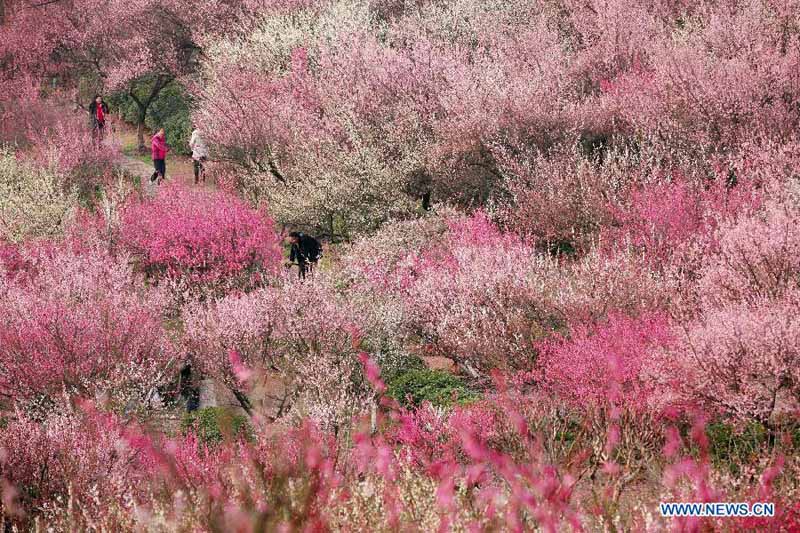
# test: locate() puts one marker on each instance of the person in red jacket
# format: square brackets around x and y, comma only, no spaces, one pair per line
[98,110]
[160,149]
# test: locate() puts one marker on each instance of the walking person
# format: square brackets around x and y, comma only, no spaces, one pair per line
[199,154]
[98,109]
[159,149]
[306,252]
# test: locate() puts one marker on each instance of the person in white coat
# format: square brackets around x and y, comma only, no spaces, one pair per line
[199,154]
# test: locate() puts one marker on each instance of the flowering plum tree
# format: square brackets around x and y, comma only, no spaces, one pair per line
[740,349]
[560,199]
[362,120]
[589,206]
[757,257]
[71,456]
[35,201]
[473,294]
[139,47]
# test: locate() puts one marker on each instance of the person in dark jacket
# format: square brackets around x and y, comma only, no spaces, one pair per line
[98,110]
[159,150]
[188,387]
[306,251]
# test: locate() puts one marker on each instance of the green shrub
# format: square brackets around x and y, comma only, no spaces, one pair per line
[212,425]
[415,386]
[170,110]
[731,447]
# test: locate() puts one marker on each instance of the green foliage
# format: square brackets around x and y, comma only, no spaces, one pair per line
[122,103]
[391,372]
[170,110]
[569,430]
[212,425]
[731,447]
[414,386]
[562,247]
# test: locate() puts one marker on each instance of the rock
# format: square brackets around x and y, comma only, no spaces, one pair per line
[208,393]
[435,362]
[270,397]
[786,409]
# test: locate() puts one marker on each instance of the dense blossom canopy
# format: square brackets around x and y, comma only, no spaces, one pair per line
[560,279]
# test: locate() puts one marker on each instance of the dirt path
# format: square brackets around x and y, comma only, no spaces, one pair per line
[179,167]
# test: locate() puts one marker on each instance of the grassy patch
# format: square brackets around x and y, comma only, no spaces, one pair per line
[415,386]
[212,425]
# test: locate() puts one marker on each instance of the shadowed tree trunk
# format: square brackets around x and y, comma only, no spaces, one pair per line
[244,401]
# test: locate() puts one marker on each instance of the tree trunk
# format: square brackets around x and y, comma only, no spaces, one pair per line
[244,401]
[140,133]
[143,105]
[140,118]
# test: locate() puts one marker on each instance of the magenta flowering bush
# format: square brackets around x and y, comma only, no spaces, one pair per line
[200,240]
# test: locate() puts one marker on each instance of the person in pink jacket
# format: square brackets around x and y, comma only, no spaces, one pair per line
[160,149]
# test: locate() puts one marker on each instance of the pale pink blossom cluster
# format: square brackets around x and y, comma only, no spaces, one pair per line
[79,324]
[581,214]
[303,334]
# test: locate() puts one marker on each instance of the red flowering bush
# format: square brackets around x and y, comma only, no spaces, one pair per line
[198,240]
